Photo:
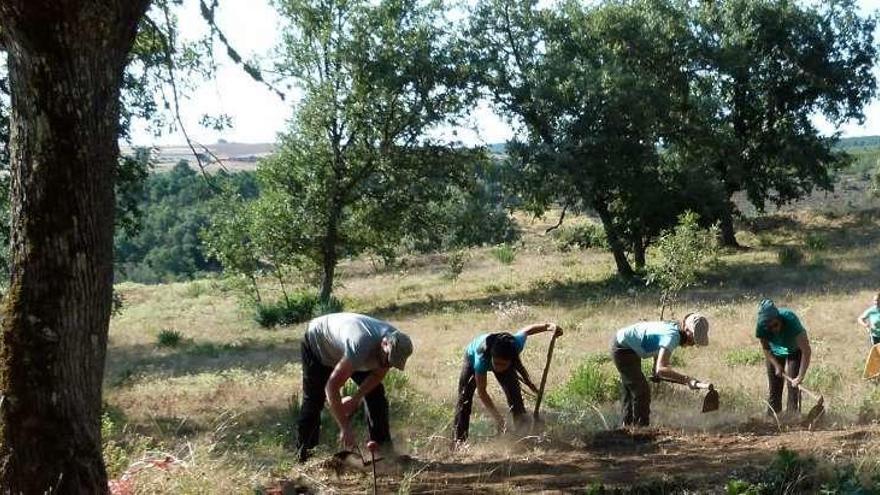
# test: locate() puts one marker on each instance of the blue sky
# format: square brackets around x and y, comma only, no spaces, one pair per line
[259,115]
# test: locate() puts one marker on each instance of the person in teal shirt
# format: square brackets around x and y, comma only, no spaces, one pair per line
[870,319]
[787,351]
[657,340]
[498,353]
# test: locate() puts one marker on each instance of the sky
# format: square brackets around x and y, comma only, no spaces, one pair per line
[258,114]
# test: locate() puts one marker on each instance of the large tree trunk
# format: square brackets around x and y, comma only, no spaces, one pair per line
[617,250]
[66,60]
[329,258]
[727,231]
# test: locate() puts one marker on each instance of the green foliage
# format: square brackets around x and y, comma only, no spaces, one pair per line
[787,473]
[295,308]
[590,384]
[744,357]
[332,305]
[174,207]
[505,254]
[816,242]
[169,338]
[581,236]
[455,262]
[790,256]
[679,255]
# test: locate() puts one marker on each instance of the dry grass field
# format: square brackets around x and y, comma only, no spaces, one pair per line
[222,401]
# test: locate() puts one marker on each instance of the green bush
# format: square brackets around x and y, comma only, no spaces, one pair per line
[589,384]
[816,242]
[790,256]
[504,253]
[321,308]
[787,473]
[744,357]
[581,236]
[455,264]
[297,308]
[169,338]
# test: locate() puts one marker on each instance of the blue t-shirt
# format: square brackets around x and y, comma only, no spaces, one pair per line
[783,343]
[482,362]
[647,337]
[872,314]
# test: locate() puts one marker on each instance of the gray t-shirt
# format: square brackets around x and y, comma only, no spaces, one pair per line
[348,335]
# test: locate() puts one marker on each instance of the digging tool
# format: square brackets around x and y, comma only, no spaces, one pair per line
[872,364]
[817,410]
[372,446]
[711,402]
[540,394]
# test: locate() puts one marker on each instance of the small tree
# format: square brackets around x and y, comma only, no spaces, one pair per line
[680,254]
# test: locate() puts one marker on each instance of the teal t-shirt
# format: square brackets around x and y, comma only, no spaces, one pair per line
[647,337]
[482,362]
[785,342]
[872,314]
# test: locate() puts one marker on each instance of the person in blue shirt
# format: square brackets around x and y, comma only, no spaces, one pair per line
[787,350]
[498,353]
[870,319]
[654,339]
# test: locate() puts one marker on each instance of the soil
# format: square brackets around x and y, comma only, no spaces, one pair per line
[643,461]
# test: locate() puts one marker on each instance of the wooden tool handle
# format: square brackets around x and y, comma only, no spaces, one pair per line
[801,387]
[544,375]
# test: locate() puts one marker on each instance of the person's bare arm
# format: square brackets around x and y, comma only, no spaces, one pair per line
[777,367]
[864,322]
[663,369]
[341,373]
[541,327]
[803,343]
[367,386]
[487,400]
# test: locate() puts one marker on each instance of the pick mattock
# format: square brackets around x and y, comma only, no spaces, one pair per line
[711,402]
[536,419]
[817,410]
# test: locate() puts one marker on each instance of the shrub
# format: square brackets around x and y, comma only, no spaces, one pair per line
[504,253]
[581,236]
[169,338]
[744,357]
[296,308]
[589,384]
[790,256]
[787,473]
[455,264]
[321,308]
[816,242]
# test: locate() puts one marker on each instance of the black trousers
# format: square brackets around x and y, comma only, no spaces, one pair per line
[792,365]
[635,393]
[315,376]
[467,385]
[875,339]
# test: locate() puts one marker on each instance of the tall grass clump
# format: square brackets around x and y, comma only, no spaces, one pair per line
[504,253]
[790,256]
[169,338]
[590,384]
[744,357]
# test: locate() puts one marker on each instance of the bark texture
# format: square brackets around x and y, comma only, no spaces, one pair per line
[66,60]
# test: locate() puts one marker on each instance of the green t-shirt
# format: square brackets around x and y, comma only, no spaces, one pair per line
[872,314]
[785,342]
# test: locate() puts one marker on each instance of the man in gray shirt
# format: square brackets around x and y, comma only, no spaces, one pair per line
[337,347]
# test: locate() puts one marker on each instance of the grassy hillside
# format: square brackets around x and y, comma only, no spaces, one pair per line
[224,398]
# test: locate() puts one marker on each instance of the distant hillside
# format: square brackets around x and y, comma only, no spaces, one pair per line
[232,156]
[859,142]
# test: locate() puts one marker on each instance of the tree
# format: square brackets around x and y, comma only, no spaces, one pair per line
[596,91]
[768,67]
[359,157]
[66,63]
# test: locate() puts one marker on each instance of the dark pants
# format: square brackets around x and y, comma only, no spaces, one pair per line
[315,377]
[875,339]
[635,394]
[467,385]
[792,365]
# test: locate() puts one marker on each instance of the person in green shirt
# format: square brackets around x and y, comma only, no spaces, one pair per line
[787,350]
[870,319]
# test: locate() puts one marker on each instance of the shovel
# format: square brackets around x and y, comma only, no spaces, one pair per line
[711,402]
[817,410]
